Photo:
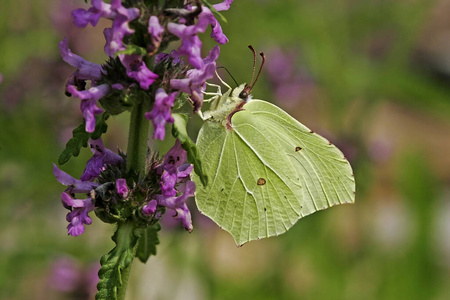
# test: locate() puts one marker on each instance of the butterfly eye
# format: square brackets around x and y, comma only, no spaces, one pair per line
[243,95]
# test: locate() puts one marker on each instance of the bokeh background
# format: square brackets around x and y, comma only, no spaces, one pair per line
[371,76]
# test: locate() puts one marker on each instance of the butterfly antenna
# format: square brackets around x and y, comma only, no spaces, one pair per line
[254,63]
[228,74]
[260,69]
[248,88]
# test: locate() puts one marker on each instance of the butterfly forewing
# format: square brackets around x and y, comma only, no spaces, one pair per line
[325,175]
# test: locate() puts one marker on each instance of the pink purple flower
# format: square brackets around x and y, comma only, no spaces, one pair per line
[137,69]
[85,70]
[206,18]
[98,162]
[176,186]
[120,27]
[73,185]
[122,189]
[82,17]
[78,216]
[161,112]
[195,82]
[225,5]
[190,42]
[156,30]
[89,100]
[150,207]
[120,15]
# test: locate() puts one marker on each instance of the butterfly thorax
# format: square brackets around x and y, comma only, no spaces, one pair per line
[224,106]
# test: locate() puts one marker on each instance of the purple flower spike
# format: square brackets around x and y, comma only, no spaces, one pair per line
[74,185]
[89,102]
[78,217]
[150,208]
[137,70]
[161,112]
[98,162]
[122,189]
[86,70]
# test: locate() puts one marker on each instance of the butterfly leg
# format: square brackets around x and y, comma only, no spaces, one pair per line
[205,116]
[217,93]
[221,80]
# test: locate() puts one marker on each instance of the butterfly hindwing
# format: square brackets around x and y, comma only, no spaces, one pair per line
[248,194]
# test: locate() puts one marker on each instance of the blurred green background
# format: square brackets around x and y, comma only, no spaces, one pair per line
[372,76]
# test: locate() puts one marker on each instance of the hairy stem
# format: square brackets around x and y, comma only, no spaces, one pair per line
[138,136]
[136,161]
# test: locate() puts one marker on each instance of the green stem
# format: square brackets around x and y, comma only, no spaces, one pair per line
[138,136]
[123,288]
[136,161]
[124,232]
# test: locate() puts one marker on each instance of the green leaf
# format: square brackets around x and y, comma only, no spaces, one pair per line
[193,156]
[115,265]
[207,4]
[80,138]
[147,243]
[132,49]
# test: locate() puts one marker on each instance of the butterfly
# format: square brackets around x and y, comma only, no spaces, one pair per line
[265,169]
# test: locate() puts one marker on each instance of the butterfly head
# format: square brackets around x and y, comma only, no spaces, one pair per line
[241,93]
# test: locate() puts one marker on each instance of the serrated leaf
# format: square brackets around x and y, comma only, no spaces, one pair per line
[132,49]
[179,132]
[80,138]
[116,262]
[214,11]
[147,243]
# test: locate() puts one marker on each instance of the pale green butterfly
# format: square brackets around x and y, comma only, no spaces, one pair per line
[265,169]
